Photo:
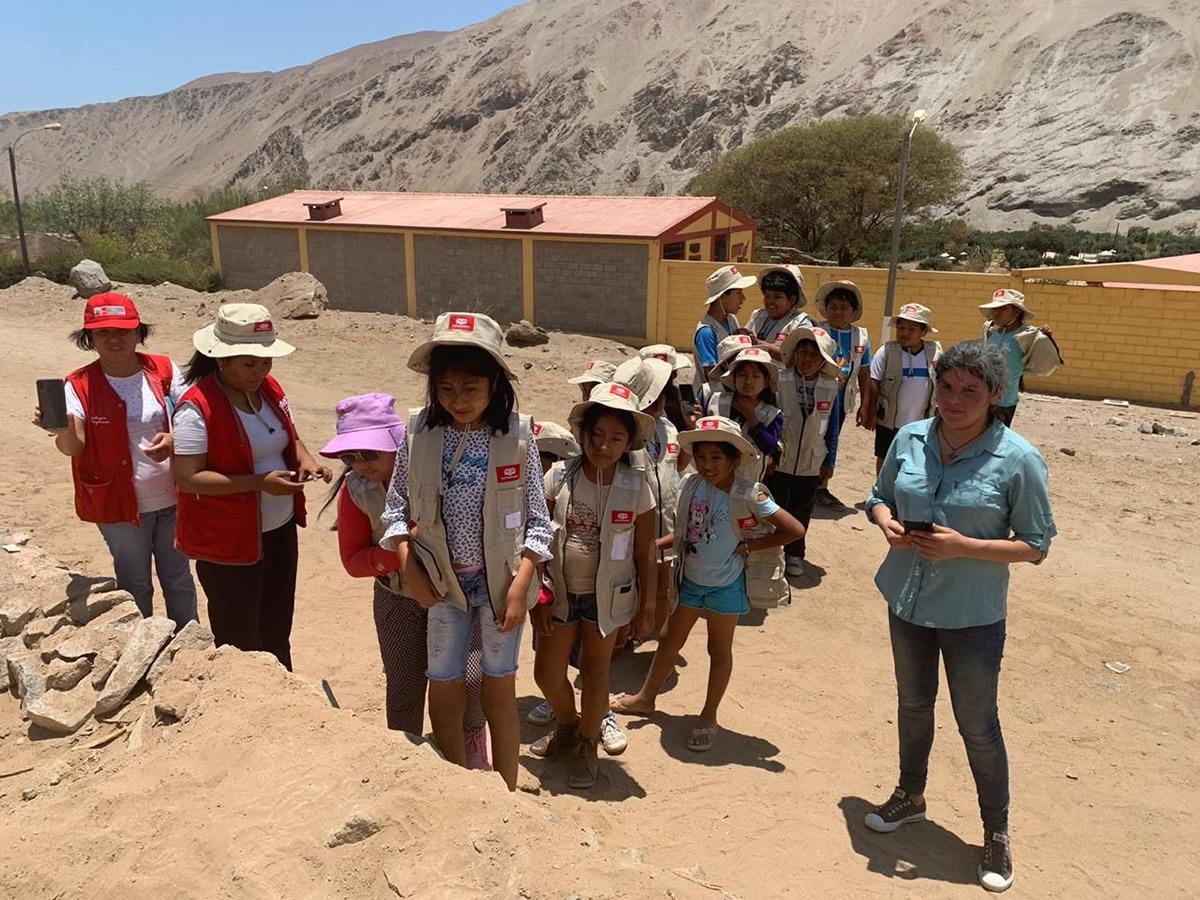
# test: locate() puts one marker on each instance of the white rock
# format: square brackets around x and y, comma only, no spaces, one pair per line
[63,676]
[148,638]
[15,613]
[9,646]
[294,295]
[88,278]
[102,666]
[193,636]
[27,677]
[88,608]
[63,712]
[112,626]
[39,629]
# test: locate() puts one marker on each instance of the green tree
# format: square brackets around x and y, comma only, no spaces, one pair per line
[829,187]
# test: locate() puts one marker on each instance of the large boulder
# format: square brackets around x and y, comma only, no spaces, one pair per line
[83,610]
[104,633]
[39,629]
[62,712]
[9,646]
[526,334]
[62,675]
[27,677]
[148,638]
[192,636]
[17,611]
[88,278]
[296,295]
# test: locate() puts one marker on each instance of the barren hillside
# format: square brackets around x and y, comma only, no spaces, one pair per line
[1088,111]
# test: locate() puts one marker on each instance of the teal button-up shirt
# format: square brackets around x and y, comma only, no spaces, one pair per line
[995,490]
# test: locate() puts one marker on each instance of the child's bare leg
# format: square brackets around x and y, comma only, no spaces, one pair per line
[447,704]
[720,662]
[595,657]
[550,671]
[500,707]
[679,626]
[663,607]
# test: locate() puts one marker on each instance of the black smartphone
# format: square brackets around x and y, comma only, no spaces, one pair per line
[917,526]
[52,400]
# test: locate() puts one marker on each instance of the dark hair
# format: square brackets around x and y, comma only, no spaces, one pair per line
[730,452]
[767,395]
[784,284]
[333,491]
[197,367]
[983,360]
[674,410]
[594,413]
[84,340]
[478,363]
[843,294]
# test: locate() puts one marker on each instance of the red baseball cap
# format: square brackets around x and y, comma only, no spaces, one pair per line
[110,310]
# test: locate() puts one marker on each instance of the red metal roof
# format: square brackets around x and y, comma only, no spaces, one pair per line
[636,217]
[1151,287]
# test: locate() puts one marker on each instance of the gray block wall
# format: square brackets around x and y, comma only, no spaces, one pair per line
[471,274]
[591,288]
[362,271]
[253,257]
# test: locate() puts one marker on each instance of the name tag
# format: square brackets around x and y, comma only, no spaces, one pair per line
[512,519]
[747,522]
[622,516]
[505,474]
[620,546]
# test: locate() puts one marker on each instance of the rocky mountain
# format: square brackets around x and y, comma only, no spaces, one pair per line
[1080,110]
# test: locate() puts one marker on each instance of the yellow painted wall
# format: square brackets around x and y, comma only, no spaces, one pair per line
[1094,326]
[704,223]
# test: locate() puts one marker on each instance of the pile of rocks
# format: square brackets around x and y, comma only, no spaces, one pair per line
[85,654]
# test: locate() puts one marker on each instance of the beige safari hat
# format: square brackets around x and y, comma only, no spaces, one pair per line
[754,355]
[645,377]
[241,329]
[1008,297]
[462,329]
[792,272]
[720,430]
[552,438]
[829,287]
[826,344]
[915,312]
[726,278]
[667,354]
[596,371]
[731,346]
[614,396]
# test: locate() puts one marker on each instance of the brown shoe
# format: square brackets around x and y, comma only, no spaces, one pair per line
[562,739]
[585,766]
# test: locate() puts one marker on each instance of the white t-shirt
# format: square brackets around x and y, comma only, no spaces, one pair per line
[268,439]
[153,483]
[913,399]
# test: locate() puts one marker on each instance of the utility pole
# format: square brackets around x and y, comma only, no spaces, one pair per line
[897,224]
[12,168]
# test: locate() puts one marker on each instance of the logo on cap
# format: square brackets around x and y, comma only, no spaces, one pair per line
[709,425]
[590,365]
[733,270]
[101,311]
[748,522]
[505,474]
[745,339]
[661,356]
[908,308]
[672,448]
[462,323]
[620,390]
[622,516]
[537,429]
[819,332]
[263,326]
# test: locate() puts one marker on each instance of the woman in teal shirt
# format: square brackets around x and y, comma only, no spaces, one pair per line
[960,497]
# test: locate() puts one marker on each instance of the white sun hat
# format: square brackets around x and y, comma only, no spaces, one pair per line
[645,377]
[552,438]
[829,287]
[462,329]
[241,329]
[753,355]
[720,430]
[726,278]
[614,396]
[826,344]
[595,372]
[915,312]
[1008,297]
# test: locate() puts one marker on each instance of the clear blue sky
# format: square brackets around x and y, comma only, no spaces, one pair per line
[59,53]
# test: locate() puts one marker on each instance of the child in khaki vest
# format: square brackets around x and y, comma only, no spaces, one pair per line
[902,378]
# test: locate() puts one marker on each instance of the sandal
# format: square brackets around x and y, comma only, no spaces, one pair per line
[620,704]
[703,737]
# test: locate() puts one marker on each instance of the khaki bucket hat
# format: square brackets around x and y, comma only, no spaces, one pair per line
[726,278]
[754,355]
[826,344]
[719,430]
[645,377]
[1008,297]
[829,287]
[614,396]
[731,346]
[595,372]
[667,354]
[915,312]
[794,273]
[552,438]
[461,329]
[241,329]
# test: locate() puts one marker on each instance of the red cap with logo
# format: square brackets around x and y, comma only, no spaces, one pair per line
[110,310]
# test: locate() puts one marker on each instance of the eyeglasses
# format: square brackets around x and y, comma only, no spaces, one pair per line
[359,456]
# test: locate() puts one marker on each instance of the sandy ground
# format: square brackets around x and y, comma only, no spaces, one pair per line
[1105,767]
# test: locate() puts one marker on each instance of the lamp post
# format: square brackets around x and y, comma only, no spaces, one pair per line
[12,168]
[898,222]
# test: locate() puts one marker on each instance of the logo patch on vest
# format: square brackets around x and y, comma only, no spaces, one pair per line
[858,351]
[622,516]
[505,474]
[747,522]
[823,405]
[462,323]
[263,326]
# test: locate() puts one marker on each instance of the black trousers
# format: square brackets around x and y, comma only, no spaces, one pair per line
[251,607]
[797,494]
[1005,414]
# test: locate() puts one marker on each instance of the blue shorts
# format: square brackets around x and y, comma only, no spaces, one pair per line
[728,601]
[580,607]
[448,635]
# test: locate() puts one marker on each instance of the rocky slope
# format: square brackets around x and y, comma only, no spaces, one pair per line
[1087,111]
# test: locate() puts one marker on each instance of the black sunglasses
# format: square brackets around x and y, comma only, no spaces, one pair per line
[357,456]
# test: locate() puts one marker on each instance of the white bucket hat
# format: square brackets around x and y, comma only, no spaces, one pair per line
[826,344]
[915,312]
[829,287]
[792,272]
[614,396]
[595,372]
[754,355]
[728,348]
[726,278]
[1008,297]
[241,329]
[718,429]
[552,438]
[667,354]
[461,329]
[645,377]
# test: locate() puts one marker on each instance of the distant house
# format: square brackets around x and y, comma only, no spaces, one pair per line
[584,264]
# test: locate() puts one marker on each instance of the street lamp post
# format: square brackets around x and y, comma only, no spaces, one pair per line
[12,168]
[898,222]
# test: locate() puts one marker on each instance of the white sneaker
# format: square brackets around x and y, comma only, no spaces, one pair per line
[612,738]
[542,714]
[795,565]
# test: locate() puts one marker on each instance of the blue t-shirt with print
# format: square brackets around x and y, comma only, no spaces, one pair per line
[710,543]
[1016,366]
[845,349]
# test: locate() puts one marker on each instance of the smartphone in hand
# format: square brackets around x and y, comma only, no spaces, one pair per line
[918,526]
[52,400]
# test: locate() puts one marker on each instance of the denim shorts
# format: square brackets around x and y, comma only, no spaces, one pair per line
[580,607]
[729,600]
[448,635]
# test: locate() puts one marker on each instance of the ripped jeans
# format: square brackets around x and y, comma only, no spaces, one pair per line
[449,635]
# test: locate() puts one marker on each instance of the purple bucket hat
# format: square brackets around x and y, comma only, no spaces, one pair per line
[366,422]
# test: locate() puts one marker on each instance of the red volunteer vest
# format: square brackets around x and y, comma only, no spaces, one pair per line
[103,472]
[227,529]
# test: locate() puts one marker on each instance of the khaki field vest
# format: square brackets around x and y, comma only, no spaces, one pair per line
[775,331]
[893,377]
[616,576]
[858,347]
[731,324]
[1038,351]
[503,509]
[766,584]
[805,443]
[722,402]
[662,477]
[370,498]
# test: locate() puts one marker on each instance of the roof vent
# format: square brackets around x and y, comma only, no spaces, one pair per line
[523,216]
[326,209]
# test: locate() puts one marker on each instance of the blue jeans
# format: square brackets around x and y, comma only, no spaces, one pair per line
[972,658]
[133,546]
[448,632]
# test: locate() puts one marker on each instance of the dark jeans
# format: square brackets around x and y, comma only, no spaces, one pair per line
[972,659]
[251,607]
[884,438]
[797,494]
[1005,414]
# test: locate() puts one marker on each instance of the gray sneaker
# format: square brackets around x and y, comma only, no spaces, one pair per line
[542,714]
[899,810]
[585,767]
[612,738]
[996,867]
[561,740]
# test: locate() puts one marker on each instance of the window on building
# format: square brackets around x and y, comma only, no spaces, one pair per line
[673,250]
[693,247]
[721,248]
[739,252]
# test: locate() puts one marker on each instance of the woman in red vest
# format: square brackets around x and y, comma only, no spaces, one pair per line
[119,439]
[241,470]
